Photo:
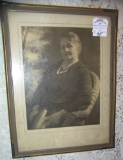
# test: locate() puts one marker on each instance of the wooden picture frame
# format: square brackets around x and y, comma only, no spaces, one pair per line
[60,103]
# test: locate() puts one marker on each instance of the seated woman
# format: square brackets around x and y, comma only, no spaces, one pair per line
[66,87]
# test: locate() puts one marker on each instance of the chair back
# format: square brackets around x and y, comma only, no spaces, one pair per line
[95,92]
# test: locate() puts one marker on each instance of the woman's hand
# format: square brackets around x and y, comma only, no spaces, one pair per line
[70,119]
[55,119]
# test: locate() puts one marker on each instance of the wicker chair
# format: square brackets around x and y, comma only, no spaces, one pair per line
[83,115]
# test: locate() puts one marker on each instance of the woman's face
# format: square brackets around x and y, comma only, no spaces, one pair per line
[69,49]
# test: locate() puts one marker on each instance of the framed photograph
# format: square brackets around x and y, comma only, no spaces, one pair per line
[61,77]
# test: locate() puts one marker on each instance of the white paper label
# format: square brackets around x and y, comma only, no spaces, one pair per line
[100,27]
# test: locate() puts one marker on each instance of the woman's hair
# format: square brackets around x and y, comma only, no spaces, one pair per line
[71,36]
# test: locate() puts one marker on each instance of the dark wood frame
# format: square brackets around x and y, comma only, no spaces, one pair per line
[113,14]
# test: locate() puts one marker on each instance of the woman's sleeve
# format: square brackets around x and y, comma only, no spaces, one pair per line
[38,101]
[84,88]
[40,92]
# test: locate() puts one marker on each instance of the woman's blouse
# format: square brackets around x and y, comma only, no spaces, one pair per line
[70,90]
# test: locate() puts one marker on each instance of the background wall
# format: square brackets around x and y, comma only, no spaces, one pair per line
[108,154]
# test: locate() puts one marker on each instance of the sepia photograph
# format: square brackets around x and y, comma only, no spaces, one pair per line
[60,74]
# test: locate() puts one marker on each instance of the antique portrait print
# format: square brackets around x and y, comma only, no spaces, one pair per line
[60,79]
[61,76]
